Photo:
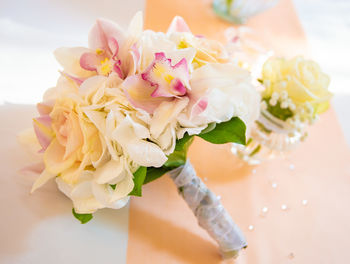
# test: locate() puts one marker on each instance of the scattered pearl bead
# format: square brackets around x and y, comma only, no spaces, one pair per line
[291,167]
[205,179]
[304,202]
[253,171]
[274,185]
[251,227]
[219,197]
[284,207]
[264,211]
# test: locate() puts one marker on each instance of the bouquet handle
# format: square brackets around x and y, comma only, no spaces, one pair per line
[209,211]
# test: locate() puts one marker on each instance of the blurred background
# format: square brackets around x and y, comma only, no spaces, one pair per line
[31,30]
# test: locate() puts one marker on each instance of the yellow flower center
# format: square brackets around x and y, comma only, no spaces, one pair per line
[99,51]
[160,71]
[106,67]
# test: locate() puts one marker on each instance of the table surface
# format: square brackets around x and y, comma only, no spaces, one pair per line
[37,228]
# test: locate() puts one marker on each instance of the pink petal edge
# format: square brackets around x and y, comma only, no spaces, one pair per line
[178,24]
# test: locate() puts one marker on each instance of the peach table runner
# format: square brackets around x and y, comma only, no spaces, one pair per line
[163,230]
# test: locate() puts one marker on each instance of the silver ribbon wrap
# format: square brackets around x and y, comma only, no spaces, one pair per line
[207,208]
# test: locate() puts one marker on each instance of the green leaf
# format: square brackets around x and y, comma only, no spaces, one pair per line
[231,131]
[179,156]
[277,111]
[139,178]
[113,186]
[209,128]
[83,218]
[155,173]
[184,143]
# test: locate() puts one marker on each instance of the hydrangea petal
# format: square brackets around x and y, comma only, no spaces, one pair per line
[112,170]
[140,151]
[164,115]
[91,85]
[123,188]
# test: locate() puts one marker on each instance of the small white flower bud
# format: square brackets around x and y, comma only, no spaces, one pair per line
[284,95]
[284,105]
[275,96]
[273,102]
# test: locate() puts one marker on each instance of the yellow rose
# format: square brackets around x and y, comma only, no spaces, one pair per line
[76,143]
[302,79]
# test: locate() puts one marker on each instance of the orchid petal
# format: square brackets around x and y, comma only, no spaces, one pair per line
[78,81]
[89,61]
[127,52]
[178,24]
[136,59]
[69,58]
[168,80]
[103,31]
[136,25]
[139,93]
[114,47]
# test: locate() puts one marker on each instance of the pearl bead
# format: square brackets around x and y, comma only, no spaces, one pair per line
[284,207]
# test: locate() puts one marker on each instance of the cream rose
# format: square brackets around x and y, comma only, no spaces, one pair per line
[302,79]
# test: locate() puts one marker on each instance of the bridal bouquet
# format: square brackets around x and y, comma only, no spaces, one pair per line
[125,111]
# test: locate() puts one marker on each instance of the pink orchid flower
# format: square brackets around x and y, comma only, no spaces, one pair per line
[111,51]
[165,81]
[104,40]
